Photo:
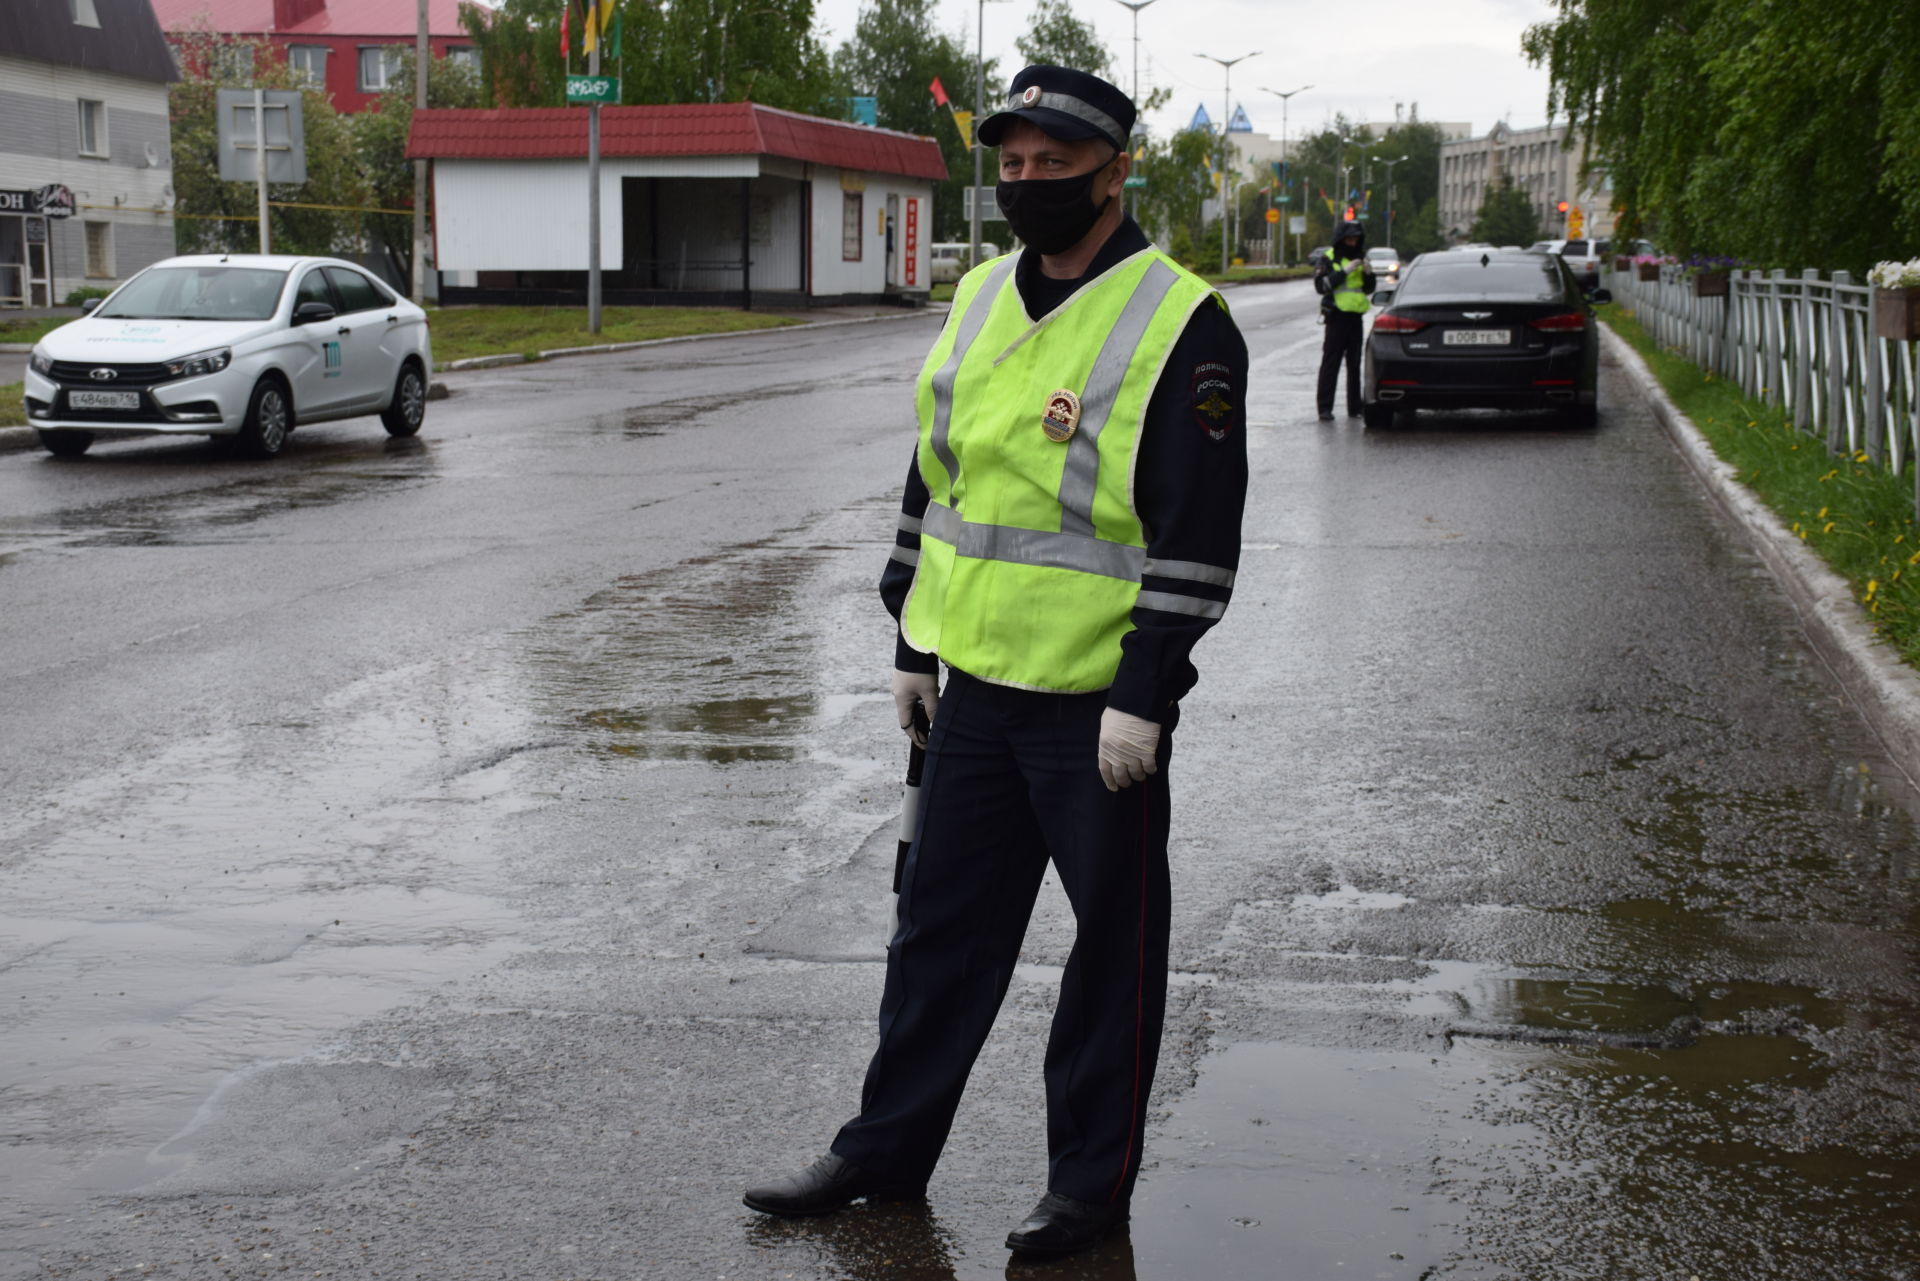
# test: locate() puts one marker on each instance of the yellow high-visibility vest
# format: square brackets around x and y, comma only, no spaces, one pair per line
[1031,552]
[1350,294]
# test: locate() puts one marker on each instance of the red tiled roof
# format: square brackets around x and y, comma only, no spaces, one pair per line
[692,129]
[329,18]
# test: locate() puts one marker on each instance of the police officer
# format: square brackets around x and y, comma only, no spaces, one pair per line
[1345,283]
[1070,528]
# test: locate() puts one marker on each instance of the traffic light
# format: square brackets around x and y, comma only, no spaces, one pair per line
[1349,215]
[1563,206]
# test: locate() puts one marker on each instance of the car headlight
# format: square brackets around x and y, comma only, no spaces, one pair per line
[41,362]
[205,362]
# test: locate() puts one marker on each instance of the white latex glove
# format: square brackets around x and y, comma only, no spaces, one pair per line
[910,688]
[1127,747]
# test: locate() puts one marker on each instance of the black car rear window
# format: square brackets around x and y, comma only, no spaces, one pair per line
[1515,280]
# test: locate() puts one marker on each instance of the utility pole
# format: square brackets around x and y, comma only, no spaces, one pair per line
[1226,118]
[593,181]
[1388,238]
[421,56]
[979,115]
[1286,159]
[1136,6]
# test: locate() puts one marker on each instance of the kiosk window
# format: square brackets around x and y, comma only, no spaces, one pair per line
[852,228]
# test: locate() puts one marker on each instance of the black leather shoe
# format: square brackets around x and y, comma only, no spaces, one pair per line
[829,1184]
[1326,415]
[1061,1225]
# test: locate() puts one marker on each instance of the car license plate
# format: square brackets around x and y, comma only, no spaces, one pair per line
[103,400]
[1477,337]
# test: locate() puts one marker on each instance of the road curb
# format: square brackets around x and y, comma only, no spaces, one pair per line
[490,362]
[1884,690]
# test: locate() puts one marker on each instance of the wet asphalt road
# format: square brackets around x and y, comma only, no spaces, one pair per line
[466,857]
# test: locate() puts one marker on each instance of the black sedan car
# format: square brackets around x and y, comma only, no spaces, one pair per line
[1484,329]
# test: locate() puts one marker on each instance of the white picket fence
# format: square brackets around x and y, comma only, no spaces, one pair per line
[1796,342]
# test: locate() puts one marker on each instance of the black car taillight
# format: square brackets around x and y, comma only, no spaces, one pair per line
[1572,322]
[1389,323]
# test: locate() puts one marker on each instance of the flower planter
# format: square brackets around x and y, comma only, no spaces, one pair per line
[1622,263]
[1711,284]
[1896,314]
[1648,270]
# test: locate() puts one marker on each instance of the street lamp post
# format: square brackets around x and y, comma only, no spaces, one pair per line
[1136,6]
[1226,116]
[1389,164]
[1286,159]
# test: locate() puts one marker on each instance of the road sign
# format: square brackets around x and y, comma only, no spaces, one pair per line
[592,89]
[1134,180]
[1281,200]
[1273,215]
[1297,225]
[989,206]
[239,134]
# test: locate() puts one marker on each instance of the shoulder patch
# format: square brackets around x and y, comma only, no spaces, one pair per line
[1212,399]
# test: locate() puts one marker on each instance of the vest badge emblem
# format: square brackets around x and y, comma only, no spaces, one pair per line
[1062,418]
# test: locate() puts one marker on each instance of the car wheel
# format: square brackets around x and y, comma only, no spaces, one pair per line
[1378,417]
[269,419]
[408,408]
[66,444]
[1583,416]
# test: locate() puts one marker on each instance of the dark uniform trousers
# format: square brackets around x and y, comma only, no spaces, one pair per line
[1346,332]
[1011,781]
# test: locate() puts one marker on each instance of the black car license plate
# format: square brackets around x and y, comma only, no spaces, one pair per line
[1478,337]
[103,400]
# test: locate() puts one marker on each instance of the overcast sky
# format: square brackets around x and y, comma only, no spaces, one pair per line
[1460,60]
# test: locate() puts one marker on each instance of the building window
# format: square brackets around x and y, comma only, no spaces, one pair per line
[99,250]
[464,56]
[84,14]
[378,65]
[93,127]
[852,226]
[233,61]
[308,63]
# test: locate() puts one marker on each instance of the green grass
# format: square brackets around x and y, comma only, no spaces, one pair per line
[31,329]
[463,332]
[940,293]
[1256,275]
[13,404]
[1856,514]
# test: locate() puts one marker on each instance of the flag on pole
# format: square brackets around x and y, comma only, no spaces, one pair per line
[566,37]
[939,92]
[590,33]
[963,120]
[619,29]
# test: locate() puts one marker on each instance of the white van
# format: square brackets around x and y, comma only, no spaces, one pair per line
[949,259]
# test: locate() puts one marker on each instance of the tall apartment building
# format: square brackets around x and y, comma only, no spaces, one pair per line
[85,197]
[1541,166]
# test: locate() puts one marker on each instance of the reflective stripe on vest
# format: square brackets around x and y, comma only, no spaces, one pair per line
[1030,555]
[1351,296]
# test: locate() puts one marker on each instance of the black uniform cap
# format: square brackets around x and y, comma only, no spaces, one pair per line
[1064,104]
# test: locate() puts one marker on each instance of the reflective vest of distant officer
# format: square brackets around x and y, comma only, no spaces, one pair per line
[1036,586]
[1344,283]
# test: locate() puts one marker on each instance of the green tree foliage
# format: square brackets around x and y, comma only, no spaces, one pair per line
[894,55]
[1178,172]
[380,141]
[678,51]
[1060,39]
[1782,131]
[1506,216]
[211,215]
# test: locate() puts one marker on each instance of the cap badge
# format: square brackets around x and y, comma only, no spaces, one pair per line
[1062,418]
[1030,95]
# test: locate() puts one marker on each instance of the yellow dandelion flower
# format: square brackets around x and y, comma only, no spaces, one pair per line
[1873,585]
[1827,528]
[1860,457]
[1822,515]
[1914,559]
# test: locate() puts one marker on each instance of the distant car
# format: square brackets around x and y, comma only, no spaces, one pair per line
[1313,259]
[949,259]
[239,345]
[1586,257]
[1493,330]
[1384,262]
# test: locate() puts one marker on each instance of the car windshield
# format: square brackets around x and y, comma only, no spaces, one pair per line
[1575,249]
[198,293]
[1516,280]
[1382,254]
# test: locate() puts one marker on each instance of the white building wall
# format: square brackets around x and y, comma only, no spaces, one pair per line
[130,189]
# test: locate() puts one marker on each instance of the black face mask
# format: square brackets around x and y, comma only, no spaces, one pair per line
[1051,214]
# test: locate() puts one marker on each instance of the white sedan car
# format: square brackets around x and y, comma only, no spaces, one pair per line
[239,345]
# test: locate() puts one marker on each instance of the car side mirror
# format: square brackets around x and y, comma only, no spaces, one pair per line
[310,313]
[1382,297]
[88,304]
[1597,296]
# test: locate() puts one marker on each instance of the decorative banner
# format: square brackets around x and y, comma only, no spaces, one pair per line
[939,92]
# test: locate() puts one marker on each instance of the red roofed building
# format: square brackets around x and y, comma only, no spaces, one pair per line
[350,48]
[728,198]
